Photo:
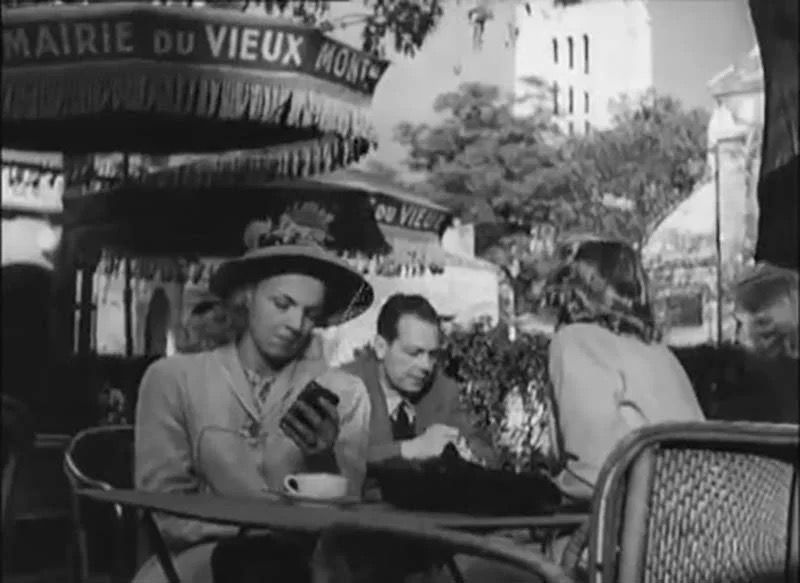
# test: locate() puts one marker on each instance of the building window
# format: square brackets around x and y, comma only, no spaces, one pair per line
[586,54]
[585,102]
[571,102]
[555,98]
[571,128]
[571,52]
[555,51]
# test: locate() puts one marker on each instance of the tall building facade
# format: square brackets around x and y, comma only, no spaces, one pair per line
[590,53]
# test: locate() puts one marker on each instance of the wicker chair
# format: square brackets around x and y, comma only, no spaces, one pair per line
[102,458]
[706,502]
[329,567]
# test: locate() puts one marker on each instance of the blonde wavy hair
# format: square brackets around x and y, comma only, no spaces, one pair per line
[212,324]
[767,297]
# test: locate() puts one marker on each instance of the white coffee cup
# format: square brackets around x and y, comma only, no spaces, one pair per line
[318,486]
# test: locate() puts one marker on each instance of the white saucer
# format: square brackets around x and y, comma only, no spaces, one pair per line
[337,501]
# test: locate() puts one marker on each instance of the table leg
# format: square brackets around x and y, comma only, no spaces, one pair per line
[160,547]
[455,572]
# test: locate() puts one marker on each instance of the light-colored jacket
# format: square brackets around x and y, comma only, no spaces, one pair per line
[606,385]
[195,420]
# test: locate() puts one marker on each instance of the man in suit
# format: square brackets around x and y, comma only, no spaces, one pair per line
[415,413]
[416,410]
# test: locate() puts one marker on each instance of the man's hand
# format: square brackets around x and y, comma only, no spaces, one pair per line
[430,444]
[311,432]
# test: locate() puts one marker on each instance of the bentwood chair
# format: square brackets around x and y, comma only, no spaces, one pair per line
[18,438]
[705,502]
[102,458]
[329,566]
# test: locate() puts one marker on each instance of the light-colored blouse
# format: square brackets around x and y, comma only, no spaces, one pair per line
[607,385]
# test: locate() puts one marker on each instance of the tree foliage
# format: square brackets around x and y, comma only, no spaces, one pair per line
[492,370]
[650,160]
[519,170]
[483,156]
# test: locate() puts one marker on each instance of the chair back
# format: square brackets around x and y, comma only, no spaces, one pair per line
[697,502]
[102,458]
[17,439]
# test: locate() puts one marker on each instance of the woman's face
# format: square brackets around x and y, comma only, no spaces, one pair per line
[283,311]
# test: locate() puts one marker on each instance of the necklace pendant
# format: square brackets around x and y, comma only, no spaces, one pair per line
[252,429]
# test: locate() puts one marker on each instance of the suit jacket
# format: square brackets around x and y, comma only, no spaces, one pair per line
[439,404]
[198,430]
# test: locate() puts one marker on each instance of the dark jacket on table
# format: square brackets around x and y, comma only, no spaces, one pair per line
[439,404]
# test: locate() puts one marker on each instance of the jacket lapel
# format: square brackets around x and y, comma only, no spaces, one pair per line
[236,381]
[381,424]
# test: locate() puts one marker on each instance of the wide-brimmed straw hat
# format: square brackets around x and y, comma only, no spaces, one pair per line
[287,247]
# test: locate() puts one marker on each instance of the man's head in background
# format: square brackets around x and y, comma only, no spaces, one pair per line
[408,343]
[766,301]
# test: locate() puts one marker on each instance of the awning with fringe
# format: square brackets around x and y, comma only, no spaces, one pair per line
[383,228]
[394,205]
[405,262]
[135,221]
[310,168]
[296,160]
[412,254]
[31,190]
[370,218]
[161,79]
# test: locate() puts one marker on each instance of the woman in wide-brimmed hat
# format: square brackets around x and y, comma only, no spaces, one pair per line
[226,422]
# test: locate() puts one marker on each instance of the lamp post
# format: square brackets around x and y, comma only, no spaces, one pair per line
[718,225]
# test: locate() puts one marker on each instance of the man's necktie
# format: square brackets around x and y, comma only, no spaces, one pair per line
[402,427]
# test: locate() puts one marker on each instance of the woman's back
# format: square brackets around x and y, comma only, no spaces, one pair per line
[606,385]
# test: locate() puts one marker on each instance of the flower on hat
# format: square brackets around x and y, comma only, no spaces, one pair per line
[304,224]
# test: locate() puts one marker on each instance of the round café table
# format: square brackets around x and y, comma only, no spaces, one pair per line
[278,514]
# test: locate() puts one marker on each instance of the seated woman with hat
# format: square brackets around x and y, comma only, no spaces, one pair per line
[225,422]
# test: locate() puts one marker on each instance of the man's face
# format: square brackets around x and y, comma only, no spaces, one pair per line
[283,311]
[765,331]
[409,361]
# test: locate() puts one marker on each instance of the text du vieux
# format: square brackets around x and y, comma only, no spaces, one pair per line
[222,42]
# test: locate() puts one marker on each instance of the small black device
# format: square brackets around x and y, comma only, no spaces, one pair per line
[312,394]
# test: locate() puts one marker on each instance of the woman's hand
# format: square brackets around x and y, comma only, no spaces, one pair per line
[312,432]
